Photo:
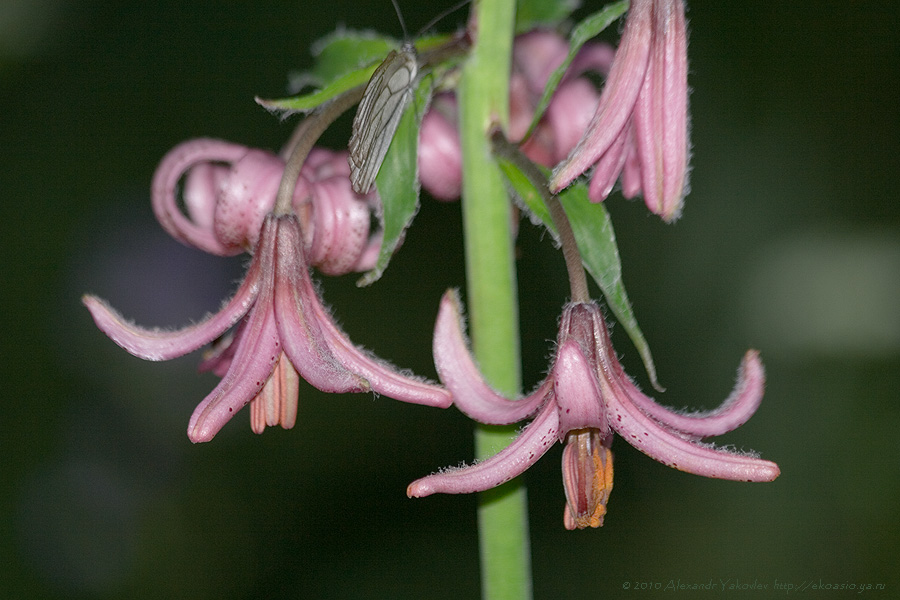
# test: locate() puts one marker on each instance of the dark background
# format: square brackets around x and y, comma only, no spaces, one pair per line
[789,243]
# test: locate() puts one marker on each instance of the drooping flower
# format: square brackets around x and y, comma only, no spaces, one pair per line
[585,399]
[282,330]
[640,127]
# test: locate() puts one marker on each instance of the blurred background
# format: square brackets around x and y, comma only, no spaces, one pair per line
[789,243]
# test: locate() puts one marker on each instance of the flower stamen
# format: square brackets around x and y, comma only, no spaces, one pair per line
[587,468]
[277,403]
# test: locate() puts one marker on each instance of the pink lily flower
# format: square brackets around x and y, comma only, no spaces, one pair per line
[640,127]
[283,331]
[586,398]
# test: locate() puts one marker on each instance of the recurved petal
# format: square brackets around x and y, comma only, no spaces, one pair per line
[734,412]
[532,443]
[383,377]
[673,450]
[459,373]
[158,344]
[256,351]
[379,375]
[165,184]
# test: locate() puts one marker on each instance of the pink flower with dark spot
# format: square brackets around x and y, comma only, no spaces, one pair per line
[586,398]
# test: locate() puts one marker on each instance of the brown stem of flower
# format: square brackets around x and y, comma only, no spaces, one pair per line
[511,152]
[458,45]
[309,132]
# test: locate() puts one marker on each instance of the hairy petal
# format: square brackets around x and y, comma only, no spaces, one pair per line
[673,450]
[254,360]
[319,350]
[340,226]
[617,98]
[609,167]
[734,412]
[246,195]
[383,377]
[297,320]
[660,116]
[512,461]
[456,369]
[157,344]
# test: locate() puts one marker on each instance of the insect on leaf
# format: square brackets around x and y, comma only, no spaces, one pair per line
[386,97]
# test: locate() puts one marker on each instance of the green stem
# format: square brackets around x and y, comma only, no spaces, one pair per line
[491,285]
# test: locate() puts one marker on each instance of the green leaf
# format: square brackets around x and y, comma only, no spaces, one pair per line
[596,243]
[398,181]
[586,30]
[343,52]
[345,61]
[543,13]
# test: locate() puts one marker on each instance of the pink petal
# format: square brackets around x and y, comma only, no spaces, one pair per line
[440,156]
[254,360]
[340,226]
[665,446]
[617,99]
[631,169]
[569,114]
[609,167]
[595,56]
[577,390]
[383,377]
[734,412]
[156,344]
[297,321]
[676,146]
[512,461]
[660,116]
[536,55]
[246,196]
[165,183]
[456,369]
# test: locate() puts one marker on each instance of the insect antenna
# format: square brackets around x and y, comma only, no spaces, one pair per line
[435,20]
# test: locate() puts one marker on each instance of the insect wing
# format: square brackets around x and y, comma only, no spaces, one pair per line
[387,95]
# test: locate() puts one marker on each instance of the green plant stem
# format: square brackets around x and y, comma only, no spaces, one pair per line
[491,285]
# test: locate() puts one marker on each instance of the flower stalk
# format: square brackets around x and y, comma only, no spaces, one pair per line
[491,286]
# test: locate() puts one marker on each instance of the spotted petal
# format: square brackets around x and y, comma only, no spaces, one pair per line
[257,349]
[673,450]
[257,352]
[165,184]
